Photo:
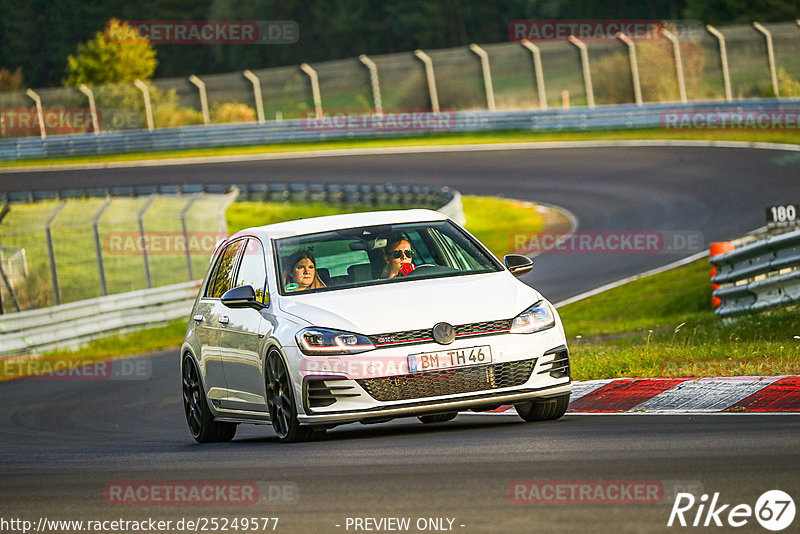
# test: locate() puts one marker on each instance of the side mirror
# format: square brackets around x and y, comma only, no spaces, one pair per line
[241,297]
[518,264]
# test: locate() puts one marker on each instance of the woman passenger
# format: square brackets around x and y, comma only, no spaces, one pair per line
[301,272]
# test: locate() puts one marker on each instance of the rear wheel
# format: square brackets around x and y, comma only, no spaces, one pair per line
[280,402]
[543,409]
[198,416]
[438,417]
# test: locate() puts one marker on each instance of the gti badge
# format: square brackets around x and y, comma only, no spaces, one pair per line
[444,333]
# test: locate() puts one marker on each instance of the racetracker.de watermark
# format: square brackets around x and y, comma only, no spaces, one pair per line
[584,29]
[75,369]
[55,120]
[365,365]
[206,31]
[732,368]
[365,120]
[162,242]
[607,242]
[600,491]
[194,493]
[785,119]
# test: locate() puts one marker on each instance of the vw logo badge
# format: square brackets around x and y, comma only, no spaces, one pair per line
[444,333]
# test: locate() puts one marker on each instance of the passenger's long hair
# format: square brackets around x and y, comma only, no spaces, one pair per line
[288,277]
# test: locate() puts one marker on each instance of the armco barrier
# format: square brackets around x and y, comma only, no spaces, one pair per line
[442,199]
[759,276]
[297,130]
[71,324]
[78,322]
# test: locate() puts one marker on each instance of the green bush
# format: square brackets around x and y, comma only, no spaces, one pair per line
[232,112]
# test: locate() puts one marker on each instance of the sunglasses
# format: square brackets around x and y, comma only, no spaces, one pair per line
[397,254]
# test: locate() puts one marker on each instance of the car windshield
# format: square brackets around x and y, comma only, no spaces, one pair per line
[357,257]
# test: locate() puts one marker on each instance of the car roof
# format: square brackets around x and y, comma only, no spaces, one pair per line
[336,222]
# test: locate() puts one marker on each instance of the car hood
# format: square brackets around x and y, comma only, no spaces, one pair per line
[412,305]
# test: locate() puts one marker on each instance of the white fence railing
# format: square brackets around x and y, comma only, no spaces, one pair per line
[78,322]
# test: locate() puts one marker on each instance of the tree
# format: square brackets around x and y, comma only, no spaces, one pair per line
[742,11]
[117,55]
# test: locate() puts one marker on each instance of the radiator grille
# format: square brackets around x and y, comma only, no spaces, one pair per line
[425,335]
[449,381]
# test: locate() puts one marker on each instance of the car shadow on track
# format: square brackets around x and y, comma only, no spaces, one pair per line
[406,427]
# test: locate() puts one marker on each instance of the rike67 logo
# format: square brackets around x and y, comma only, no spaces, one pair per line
[774,510]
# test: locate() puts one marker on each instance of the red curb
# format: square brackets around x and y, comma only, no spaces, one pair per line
[622,395]
[781,396]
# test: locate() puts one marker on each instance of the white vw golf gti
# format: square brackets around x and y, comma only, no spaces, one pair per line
[366,317]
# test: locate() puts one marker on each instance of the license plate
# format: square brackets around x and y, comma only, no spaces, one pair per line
[445,359]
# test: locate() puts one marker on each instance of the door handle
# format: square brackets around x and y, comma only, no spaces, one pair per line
[224,319]
[198,318]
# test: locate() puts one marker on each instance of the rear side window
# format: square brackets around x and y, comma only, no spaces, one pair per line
[221,279]
[253,270]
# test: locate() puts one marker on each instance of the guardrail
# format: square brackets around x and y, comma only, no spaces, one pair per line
[759,276]
[78,322]
[433,197]
[69,325]
[300,130]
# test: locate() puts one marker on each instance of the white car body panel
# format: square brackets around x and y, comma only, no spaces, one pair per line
[413,304]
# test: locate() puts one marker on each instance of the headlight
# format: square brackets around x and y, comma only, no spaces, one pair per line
[314,341]
[536,318]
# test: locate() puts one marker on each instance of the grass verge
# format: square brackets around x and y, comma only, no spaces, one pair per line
[658,326]
[663,326]
[478,210]
[512,136]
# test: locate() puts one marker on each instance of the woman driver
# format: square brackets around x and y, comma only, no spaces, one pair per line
[301,274]
[398,255]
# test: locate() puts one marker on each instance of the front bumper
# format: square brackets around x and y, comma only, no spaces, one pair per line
[465,402]
[338,397]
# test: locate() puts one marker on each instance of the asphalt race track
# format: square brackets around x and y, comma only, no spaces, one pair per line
[719,192]
[63,443]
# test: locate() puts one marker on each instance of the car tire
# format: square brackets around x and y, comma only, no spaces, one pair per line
[438,417]
[544,409]
[281,404]
[195,405]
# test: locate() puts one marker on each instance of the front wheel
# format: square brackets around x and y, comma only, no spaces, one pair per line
[280,402]
[199,418]
[543,409]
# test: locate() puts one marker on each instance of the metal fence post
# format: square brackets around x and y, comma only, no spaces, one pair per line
[186,235]
[145,258]
[487,75]
[537,67]
[92,108]
[3,212]
[434,96]
[312,75]
[637,88]
[222,222]
[39,111]
[587,75]
[770,57]
[723,56]
[373,78]
[50,252]
[148,109]
[101,269]
[201,87]
[676,50]
[256,94]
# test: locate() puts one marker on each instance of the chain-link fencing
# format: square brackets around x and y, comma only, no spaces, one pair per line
[346,86]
